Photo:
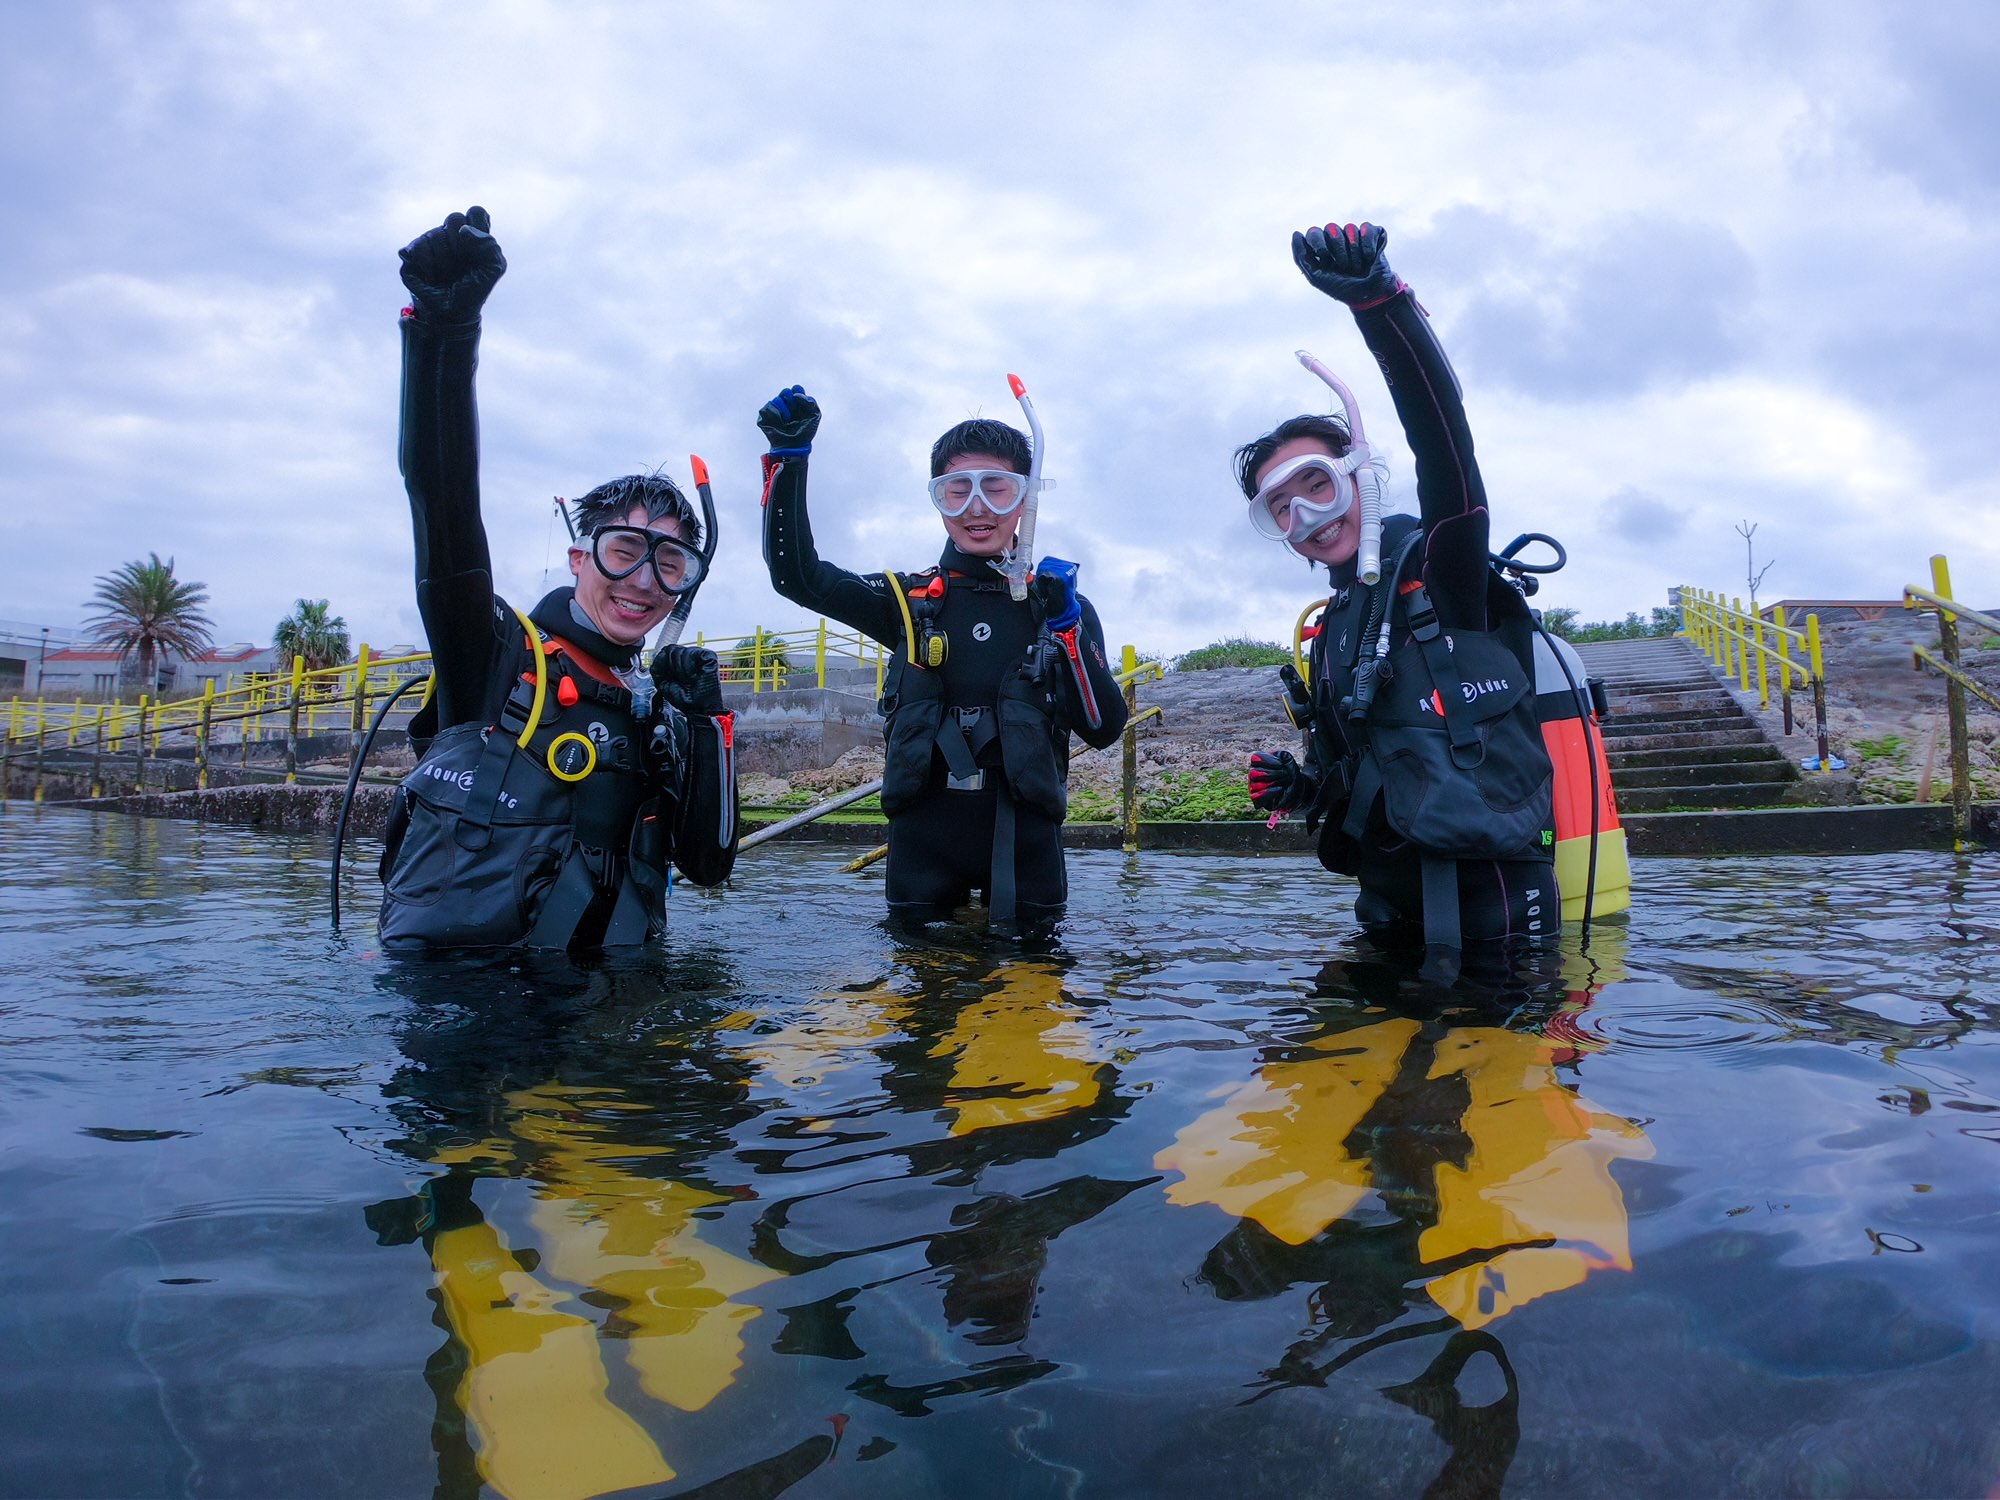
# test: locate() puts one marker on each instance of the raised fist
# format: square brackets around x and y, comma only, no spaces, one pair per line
[1347,263]
[690,678]
[789,420]
[450,269]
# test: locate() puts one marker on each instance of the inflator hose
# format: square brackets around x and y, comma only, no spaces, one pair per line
[353,781]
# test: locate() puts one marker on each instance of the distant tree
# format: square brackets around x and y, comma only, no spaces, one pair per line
[312,632]
[1564,623]
[144,611]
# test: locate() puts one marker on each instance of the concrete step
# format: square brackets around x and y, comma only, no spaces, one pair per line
[1706,713]
[1618,731]
[1720,773]
[1695,755]
[1751,736]
[1659,799]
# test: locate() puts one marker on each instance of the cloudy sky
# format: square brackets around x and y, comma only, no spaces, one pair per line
[1696,265]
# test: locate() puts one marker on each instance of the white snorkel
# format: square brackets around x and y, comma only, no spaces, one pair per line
[1018,561]
[1361,468]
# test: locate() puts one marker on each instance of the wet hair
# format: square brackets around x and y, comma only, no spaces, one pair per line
[981,435]
[615,499]
[1252,456]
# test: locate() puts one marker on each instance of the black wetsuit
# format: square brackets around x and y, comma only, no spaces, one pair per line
[1503,892]
[663,783]
[946,842]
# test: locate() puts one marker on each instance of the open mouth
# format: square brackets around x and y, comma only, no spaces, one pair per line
[633,609]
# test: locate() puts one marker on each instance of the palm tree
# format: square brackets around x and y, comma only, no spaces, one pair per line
[311,632]
[143,609]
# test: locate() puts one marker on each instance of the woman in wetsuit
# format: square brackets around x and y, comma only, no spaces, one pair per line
[1424,763]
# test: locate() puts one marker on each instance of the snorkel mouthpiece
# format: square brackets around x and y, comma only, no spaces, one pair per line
[670,631]
[1365,471]
[1015,562]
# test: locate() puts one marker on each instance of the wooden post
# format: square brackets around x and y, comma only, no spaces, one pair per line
[42,741]
[292,729]
[1128,788]
[1954,706]
[358,720]
[1818,662]
[139,749]
[97,756]
[201,735]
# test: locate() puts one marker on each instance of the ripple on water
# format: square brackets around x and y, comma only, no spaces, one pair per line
[1687,1022]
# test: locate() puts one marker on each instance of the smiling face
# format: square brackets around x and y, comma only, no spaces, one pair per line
[624,610]
[980,533]
[1336,541]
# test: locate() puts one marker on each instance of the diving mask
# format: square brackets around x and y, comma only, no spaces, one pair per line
[621,551]
[1301,496]
[1001,491]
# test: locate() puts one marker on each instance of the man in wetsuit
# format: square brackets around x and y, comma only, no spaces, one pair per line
[562,778]
[1424,761]
[983,691]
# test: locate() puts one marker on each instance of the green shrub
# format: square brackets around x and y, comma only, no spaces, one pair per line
[1564,623]
[1238,651]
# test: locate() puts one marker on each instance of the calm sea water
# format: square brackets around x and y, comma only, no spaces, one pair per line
[1213,1203]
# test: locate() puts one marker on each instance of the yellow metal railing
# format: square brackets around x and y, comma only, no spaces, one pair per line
[1937,599]
[766,660]
[267,707]
[1732,636]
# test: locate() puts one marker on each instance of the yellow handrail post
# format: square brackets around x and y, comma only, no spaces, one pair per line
[1954,705]
[201,738]
[1784,664]
[757,660]
[292,727]
[819,654]
[1128,783]
[1742,638]
[1763,657]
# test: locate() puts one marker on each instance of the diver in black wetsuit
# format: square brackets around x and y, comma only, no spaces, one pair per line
[1424,759]
[984,689]
[562,778]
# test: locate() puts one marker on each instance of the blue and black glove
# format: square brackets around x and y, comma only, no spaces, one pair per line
[789,420]
[1055,587]
[1347,263]
[690,678]
[1278,783]
[450,269]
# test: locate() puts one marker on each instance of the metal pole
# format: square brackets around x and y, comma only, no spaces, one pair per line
[42,741]
[1763,659]
[359,719]
[799,820]
[1954,703]
[819,654]
[1128,786]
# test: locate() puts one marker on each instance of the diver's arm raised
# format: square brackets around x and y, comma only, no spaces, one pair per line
[1348,264]
[449,271]
[789,421]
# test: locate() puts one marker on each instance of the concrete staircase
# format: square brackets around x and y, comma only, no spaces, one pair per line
[1676,737]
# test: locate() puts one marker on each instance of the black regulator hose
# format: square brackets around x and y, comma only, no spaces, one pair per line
[353,781]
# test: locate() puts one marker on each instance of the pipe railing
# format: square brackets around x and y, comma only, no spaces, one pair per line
[1938,600]
[1731,636]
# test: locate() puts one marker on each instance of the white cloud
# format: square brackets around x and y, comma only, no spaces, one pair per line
[1714,265]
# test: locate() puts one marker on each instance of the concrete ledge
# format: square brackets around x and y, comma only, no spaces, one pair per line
[1806,830]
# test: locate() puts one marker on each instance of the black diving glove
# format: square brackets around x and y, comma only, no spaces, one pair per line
[450,269]
[1347,263]
[1278,783]
[789,420]
[690,678]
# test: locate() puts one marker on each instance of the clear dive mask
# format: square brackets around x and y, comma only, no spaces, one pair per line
[621,551]
[1301,496]
[1001,491]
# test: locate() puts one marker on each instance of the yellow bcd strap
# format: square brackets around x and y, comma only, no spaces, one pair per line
[541,686]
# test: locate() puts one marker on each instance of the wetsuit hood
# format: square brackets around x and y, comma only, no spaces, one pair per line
[559,614]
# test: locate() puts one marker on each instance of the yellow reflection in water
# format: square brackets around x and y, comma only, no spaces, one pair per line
[1020,1053]
[1274,1152]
